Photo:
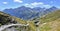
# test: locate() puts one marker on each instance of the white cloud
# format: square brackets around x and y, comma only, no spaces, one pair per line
[37,4]
[47,6]
[5,2]
[28,5]
[19,1]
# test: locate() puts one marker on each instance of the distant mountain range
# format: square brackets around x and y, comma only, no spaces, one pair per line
[28,13]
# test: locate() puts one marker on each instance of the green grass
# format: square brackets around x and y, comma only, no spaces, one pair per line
[45,28]
[51,20]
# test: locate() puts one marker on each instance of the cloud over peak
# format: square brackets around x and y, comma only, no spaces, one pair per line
[37,4]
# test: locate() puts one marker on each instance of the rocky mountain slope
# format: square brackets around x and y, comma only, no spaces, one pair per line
[27,13]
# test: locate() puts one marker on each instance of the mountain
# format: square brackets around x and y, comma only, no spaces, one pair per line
[22,12]
[38,9]
[52,9]
[27,13]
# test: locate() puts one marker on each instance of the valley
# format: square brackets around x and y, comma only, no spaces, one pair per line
[47,22]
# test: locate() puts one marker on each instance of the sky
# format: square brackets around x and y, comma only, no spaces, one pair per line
[6,4]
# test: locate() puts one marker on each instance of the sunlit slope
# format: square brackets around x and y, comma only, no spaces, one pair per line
[32,26]
[20,20]
[50,17]
[52,22]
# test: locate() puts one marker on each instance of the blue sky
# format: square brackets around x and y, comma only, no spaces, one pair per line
[28,3]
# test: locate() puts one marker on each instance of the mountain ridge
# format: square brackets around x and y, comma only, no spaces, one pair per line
[27,13]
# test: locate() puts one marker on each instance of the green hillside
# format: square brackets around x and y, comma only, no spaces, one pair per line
[50,22]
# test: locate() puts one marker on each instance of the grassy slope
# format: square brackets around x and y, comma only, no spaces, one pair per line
[32,26]
[52,21]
